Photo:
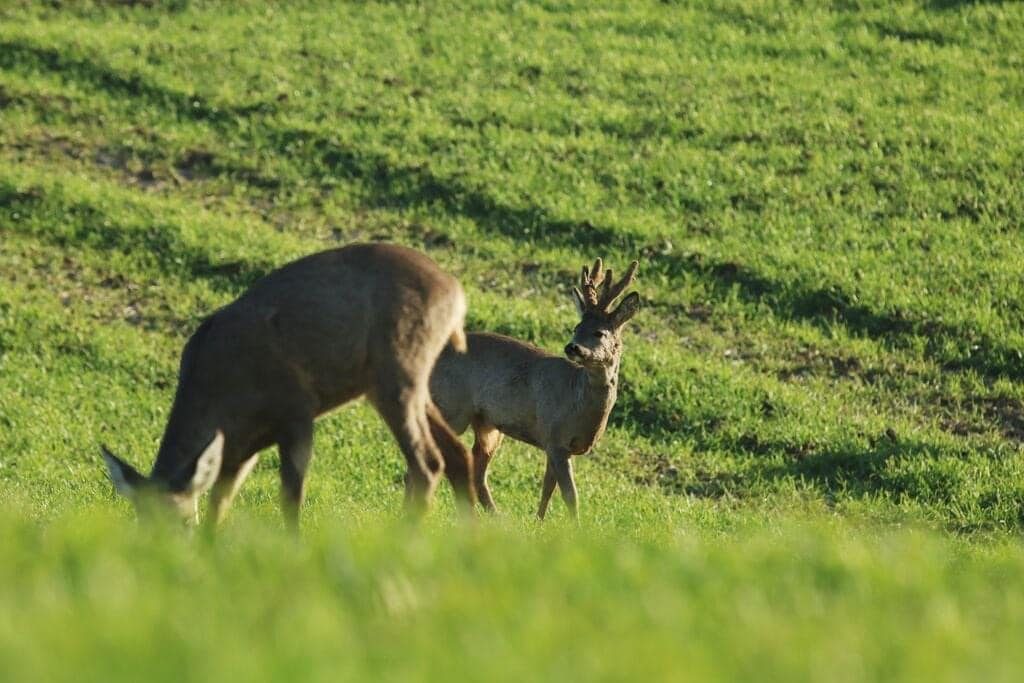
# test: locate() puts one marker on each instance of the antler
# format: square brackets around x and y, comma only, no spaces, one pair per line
[589,282]
[612,291]
[593,278]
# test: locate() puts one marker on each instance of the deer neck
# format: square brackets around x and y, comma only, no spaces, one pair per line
[182,440]
[170,458]
[596,389]
[595,396]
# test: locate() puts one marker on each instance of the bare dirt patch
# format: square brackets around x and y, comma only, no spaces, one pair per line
[812,362]
[984,414]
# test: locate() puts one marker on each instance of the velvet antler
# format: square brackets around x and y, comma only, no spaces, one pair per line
[590,280]
[600,298]
[612,291]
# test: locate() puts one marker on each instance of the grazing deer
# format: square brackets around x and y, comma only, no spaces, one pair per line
[505,386]
[363,319]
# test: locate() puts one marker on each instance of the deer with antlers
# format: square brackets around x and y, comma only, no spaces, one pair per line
[503,386]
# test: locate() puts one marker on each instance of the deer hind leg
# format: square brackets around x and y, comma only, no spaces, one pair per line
[295,445]
[458,465]
[487,440]
[404,412]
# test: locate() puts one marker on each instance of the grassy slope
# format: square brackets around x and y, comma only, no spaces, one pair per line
[826,201]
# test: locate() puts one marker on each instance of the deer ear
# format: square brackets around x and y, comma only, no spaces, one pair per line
[126,479]
[626,310]
[207,466]
[577,298]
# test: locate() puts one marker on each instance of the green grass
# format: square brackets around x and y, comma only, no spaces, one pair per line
[780,601]
[814,469]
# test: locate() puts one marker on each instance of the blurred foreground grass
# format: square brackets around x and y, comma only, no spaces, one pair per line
[91,598]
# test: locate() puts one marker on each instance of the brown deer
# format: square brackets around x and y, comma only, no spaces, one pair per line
[504,386]
[365,319]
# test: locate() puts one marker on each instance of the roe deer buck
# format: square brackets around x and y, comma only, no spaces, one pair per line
[363,319]
[505,386]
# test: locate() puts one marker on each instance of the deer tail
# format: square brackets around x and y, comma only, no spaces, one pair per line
[458,340]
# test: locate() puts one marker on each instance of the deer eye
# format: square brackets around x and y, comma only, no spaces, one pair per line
[601,334]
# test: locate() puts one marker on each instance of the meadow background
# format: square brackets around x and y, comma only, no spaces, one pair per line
[814,470]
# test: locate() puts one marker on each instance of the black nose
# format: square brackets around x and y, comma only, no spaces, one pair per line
[572,349]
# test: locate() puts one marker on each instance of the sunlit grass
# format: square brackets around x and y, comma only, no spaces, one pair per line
[814,467]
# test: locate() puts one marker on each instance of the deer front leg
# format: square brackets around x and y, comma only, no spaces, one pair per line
[547,488]
[223,493]
[560,470]
[296,448]
[486,443]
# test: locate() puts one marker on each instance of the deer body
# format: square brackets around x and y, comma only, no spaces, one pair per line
[522,391]
[367,319]
[503,386]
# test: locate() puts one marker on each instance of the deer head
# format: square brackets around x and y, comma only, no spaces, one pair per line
[596,341]
[177,498]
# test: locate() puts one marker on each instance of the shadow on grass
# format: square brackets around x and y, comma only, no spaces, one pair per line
[831,305]
[890,468]
[832,470]
[79,225]
[842,468]
[387,184]
[15,55]
[958,4]
[397,186]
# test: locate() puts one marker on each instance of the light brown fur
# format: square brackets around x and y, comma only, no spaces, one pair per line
[503,386]
[366,319]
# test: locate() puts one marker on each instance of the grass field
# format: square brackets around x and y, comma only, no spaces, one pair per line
[814,469]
